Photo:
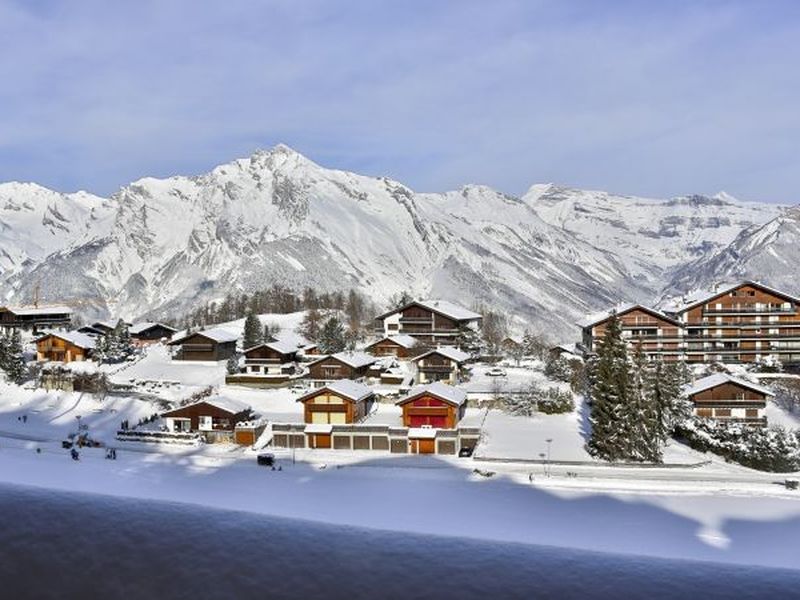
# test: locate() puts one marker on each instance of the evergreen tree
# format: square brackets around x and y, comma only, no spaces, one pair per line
[15,362]
[470,341]
[310,325]
[609,394]
[331,337]
[116,346]
[534,345]
[232,366]
[253,333]
[666,389]
[642,414]
[5,341]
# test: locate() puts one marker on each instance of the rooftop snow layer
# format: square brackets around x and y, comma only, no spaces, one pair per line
[712,381]
[445,392]
[348,388]
[450,352]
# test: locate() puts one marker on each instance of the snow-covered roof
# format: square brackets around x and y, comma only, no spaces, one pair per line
[568,348]
[318,428]
[218,335]
[450,352]
[621,309]
[81,340]
[39,310]
[280,346]
[421,433]
[351,359]
[227,404]
[443,307]
[448,393]
[343,387]
[406,341]
[698,297]
[712,381]
[138,328]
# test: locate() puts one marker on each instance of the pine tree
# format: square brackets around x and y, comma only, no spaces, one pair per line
[642,414]
[116,346]
[232,366]
[672,405]
[310,326]
[253,333]
[470,341]
[331,337]
[5,340]
[609,395]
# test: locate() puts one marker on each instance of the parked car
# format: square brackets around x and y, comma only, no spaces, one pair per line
[266,459]
[496,372]
[465,452]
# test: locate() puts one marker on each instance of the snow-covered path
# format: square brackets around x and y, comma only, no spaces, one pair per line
[712,517]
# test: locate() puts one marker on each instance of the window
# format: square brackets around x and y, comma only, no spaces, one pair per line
[704,412]
[722,412]
[751,413]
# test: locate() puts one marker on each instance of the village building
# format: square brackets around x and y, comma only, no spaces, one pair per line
[267,365]
[342,365]
[35,319]
[441,364]
[656,333]
[207,345]
[67,346]
[742,323]
[567,352]
[91,330]
[435,405]
[340,402]
[215,418]
[400,346]
[144,334]
[429,321]
[722,397]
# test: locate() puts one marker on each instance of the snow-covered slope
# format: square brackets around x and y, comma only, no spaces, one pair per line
[278,217]
[650,237]
[160,246]
[768,253]
[36,221]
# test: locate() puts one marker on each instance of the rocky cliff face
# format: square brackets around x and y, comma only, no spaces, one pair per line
[157,247]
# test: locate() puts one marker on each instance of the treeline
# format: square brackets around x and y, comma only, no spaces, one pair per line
[278,299]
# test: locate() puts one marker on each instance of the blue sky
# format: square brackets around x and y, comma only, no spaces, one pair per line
[648,98]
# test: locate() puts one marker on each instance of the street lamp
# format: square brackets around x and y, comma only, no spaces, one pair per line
[549,469]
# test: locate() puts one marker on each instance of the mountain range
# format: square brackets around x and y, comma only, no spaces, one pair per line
[158,247]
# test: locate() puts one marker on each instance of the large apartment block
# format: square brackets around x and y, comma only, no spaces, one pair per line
[746,322]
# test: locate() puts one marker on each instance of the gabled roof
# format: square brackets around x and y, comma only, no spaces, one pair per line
[712,381]
[450,352]
[280,346]
[38,310]
[138,328]
[622,309]
[90,330]
[76,338]
[406,341]
[218,335]
[347,388]
[698,297]
[227,404]
[442,391]
[442,307]
[351,359]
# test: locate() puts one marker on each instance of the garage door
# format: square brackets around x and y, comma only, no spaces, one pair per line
[322,440]
[427,446]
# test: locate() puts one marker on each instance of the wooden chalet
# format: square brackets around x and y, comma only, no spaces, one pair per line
[207,345]
[340,402]
[35,318]
[429,321]
[741,323]
[655,332]
[722,397]
[64,347]
[441,364]
[436,405]
[144,334]
[215,418]
[400,346]
[271,358]
[342,365]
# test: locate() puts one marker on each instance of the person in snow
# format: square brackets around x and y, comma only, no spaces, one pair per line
[74,454]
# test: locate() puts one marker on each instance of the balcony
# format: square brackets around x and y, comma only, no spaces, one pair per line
[750,309]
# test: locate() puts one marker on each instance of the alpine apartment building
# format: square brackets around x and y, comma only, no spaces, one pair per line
[745,322]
